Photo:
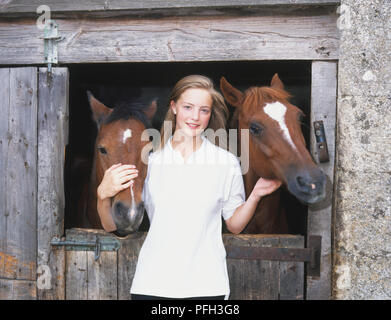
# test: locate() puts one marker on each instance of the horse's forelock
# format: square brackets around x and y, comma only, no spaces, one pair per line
[258,96]
[124,111]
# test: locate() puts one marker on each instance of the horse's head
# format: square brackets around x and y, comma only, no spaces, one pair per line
[120,140]
[276,147]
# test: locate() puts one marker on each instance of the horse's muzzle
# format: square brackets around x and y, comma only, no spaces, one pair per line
[308,186]
[127,219]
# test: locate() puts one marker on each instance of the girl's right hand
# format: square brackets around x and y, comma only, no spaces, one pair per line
[116,178]
[264,187]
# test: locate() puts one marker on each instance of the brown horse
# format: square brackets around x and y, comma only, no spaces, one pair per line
[119,140]
[276,151]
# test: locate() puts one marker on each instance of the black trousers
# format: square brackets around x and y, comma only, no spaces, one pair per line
[146,297]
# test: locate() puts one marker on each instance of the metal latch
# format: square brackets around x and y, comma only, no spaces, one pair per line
[310,255]
[321,143]
[51,38]
[100,244]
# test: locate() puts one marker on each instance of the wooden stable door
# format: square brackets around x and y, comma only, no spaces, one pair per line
[18,182]
[109,274]
[33,134]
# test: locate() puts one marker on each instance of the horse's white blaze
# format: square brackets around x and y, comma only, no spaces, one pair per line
[276,111]
[127,134]
[132,210]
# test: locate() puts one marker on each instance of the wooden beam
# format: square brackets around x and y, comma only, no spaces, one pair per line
[212,38]
[323,107]
[110,8]
[52,139]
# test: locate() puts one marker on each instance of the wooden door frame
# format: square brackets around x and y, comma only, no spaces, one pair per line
[267,30]
[53,115]
[319,220]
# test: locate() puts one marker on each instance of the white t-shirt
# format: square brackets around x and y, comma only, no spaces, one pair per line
[183,254]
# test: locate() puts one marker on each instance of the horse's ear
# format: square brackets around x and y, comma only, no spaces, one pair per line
[99,111]
[234,96]
[151,110]
[276,82]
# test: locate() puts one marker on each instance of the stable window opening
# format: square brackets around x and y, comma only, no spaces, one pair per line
[118,83]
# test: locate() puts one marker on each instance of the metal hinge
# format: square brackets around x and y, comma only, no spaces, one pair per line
[321,143]
[100,244]
[310,255]
[51,38]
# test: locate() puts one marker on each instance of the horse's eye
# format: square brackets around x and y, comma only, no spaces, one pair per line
[300,117]
[102,150]
[255,129]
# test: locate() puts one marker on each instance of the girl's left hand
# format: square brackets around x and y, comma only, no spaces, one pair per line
[264,187]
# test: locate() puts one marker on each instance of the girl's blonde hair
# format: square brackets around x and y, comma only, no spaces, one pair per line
[219,112]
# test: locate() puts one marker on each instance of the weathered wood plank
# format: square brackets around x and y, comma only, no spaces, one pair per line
[20,8]
[9,261]
[258,280]
[76,275]
[127,262]
[51,276]
[19,178]
[4,134]
[323,107]
[291,284]
[102,276]
[17,290]
[52,139]
[268,279]
[212,38]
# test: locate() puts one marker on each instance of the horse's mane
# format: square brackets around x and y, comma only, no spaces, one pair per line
[258,96]
[125,110]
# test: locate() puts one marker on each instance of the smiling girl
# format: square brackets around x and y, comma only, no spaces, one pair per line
[183,255]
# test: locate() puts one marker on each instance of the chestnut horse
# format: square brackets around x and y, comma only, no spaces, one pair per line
[276,151]
[119,140]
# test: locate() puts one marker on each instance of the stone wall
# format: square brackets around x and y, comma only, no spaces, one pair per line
[362,215]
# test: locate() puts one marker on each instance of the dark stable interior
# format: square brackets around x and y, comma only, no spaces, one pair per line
[115,83]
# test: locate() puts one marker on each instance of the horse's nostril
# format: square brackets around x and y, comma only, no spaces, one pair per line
[300,181]
[120,209]
[307,185]
[118,206]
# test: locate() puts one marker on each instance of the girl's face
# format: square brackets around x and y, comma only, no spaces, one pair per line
[193,110]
